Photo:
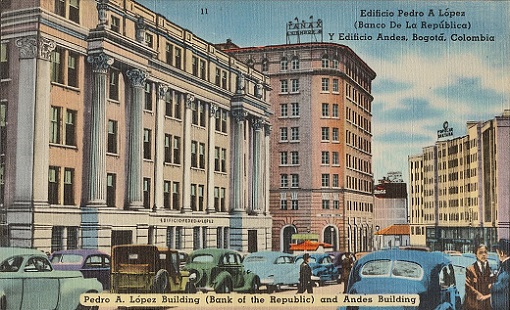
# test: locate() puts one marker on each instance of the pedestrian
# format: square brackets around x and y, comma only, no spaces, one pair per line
[305,276]
[500,290]
[347,263]
[478,279]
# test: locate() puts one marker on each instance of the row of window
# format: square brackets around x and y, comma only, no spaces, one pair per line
[358,119]
[358,164]
[294,86]
[358,142]
[325,85]
[359,184]
[326,110]
[358,97]
[175,236]
[360,206]
[325,134]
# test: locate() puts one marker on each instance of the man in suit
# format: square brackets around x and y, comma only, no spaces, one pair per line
[500,290]
[305,276]
[478,280]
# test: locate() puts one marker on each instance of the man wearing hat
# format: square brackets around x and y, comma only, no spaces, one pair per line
[500,290]
[305,276]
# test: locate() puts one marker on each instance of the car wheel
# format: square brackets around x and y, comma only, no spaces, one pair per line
[160,284]
[3,303]
[224,287]
[82,307]
[255,285]
[271,289]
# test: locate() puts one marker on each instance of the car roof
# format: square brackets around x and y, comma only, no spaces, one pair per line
[212,251]
[82,252]
[428,260]
[269,254]
[6,252]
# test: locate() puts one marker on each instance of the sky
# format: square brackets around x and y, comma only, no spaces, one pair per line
[419,84]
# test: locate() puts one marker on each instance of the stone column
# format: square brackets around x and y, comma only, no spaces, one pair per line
[211,153]
[137,78]
[32,130]
[257,185]
[186,160]
[239,117]
[267,163]
[159,157]
[96,196]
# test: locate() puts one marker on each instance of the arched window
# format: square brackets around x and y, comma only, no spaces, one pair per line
[325,61]
[295,63]
[284,64]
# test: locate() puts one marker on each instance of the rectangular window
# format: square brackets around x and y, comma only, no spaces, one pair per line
[336,204]
[194,65]
[284,181]
[60,7]
[178,237]
[294,158]
[284,134]
[110,189]
[203,71]
[223,199]
[294,133]
[217,199]
[57,238]
[223,160]
[294,85]
[176,203]
[201,113]
[169,105]
[112,136]
[284,86]
[168,148]
[147,143]
[335,85]
[334,135]
[334,111]
[335,180]
[216,159]
[325,158]
[178,58]
[149,40]
[178,103]
[201,154]
[148,96]
[294,109]
[72,69]
[55,121]
[194,150]
[201,197]
[169,53]
[283,110]
[72,238]
[70,129]
[325,110]
[74,10]
[325,84]
[335,158]
[115,23]
[325,133]
[57,69]
[53,184]
[177,150]
[68,186]
[283,158]
[224,79]
[294,180]
[294,204]
[113,87]
[217,77]
[167,187]
[325,204]
[193,197]
[4,61]
[325,180]
[146,193]
[194,112]
[224,117]
[283,204]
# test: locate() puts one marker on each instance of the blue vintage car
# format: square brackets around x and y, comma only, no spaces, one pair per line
[429,274]
[28,281]
[274,269]
[323,269]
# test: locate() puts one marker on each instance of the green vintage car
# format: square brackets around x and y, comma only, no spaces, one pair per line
[28,281]
[220,270]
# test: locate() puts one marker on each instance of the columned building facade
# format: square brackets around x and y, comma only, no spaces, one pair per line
[459,193]
[119,126]
[321,155]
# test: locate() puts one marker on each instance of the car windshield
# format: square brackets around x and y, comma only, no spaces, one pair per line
[255,259]
[66,259]
[388,268]
[203,258]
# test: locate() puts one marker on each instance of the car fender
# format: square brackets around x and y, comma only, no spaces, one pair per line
[248,280]
[221,278]
[71,289]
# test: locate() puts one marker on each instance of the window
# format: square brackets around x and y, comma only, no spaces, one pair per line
[112,136]
[334,111]
[147,143]
[113,86]
[168,148]
[294,180]
[284,110]
[284,65]
[223,160]
[194,65]
[283,204]
[110,189]
[55,120]
[178,97]
[60,7]
[283,158]
[325,204]
[335,63]
[176,205]
[194,159]
[74,9]
[4,61]
[70,128]
[178,58]
[149,40]
[325,84]
[193,197]
[294,85]
[72,69]
[53,184]
[217,77]
[295,63]
[177,150]
[115,23]
[57,240]
[294,158]
[325,180]
[224,80]
[294,204]
[148,96]
[334,135]
[284,86]
[203,71]
[68,186]
[217,199]
[335,180]
[223,199]
[325,61]
[284,134]
[57,70]
[294,109]
[201,197]
[325,110]
[325,133]
[335,85]
[167,186]
[265,65]
[294,133]
[284,180]
[336,204]
[146,193]
[201,154]
[325,158]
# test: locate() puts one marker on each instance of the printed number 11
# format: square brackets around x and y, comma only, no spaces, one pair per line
[204,11]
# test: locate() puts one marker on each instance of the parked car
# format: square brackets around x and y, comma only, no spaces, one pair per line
[429,274]
[28,281]
[147,269]
[91,263]
[273,268]
[220,270]
[322,266]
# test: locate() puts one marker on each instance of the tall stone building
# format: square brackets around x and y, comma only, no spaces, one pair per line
[459,188]
[119,126]
[321,143]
